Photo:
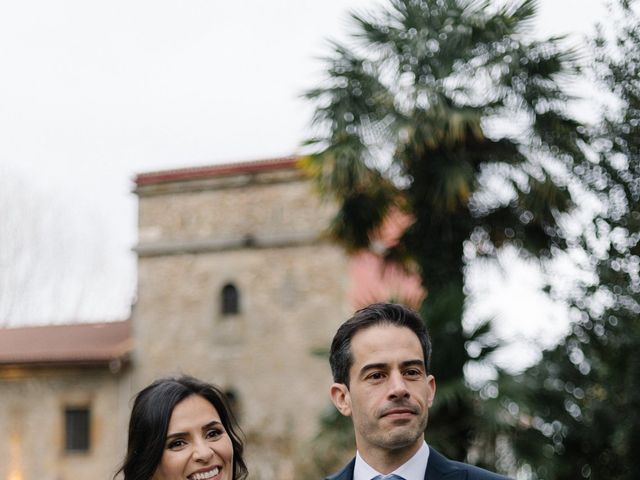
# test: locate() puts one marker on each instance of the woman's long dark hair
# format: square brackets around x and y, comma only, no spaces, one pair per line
[150,418]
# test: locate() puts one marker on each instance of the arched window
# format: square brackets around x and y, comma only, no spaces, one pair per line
[230,299]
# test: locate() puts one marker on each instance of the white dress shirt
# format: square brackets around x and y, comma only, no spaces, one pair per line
[413,469]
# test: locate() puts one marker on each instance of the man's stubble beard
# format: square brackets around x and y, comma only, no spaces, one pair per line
[398,437]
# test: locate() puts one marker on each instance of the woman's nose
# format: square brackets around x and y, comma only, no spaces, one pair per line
[202,451]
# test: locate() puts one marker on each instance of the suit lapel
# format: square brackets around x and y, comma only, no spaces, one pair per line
[441,468]
[438,468]
[346,473]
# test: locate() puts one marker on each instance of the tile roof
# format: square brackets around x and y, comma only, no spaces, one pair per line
[95,343]
[193,173]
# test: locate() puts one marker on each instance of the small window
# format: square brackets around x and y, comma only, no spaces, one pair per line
[230,300]
[77,429]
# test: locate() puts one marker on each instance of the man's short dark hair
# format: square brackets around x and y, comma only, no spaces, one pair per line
[341,358]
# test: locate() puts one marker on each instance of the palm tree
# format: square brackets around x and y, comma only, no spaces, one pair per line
[446,110]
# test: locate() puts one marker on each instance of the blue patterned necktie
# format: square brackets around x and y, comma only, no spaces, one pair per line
[387,477]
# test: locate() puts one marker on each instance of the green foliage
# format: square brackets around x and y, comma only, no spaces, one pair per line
[429,103]
[582,401]
[331,449]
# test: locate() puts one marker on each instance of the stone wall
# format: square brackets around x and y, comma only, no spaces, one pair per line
[260,230]
[32,422]
[262,233]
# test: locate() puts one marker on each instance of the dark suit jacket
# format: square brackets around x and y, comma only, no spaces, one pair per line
[438,468]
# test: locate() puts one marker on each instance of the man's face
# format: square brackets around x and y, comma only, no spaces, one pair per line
[389,391]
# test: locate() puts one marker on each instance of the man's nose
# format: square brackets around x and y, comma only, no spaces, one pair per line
[398,386]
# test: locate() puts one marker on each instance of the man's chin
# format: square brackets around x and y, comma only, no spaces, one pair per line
[403,438]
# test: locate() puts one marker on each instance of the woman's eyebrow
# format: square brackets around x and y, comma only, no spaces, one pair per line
[177,434]
[212,423]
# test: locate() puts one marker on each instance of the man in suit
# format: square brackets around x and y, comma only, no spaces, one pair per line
[380,365]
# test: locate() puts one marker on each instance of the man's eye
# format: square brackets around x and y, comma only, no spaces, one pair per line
[413,372]
[376,376]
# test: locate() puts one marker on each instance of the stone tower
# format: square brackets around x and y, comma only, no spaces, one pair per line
[237,286]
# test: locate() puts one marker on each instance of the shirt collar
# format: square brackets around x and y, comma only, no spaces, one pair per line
[413,469]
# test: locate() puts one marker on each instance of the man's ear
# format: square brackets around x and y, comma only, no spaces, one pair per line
[431,390]
[341,398]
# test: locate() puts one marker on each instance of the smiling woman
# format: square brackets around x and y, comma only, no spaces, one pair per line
[183,428]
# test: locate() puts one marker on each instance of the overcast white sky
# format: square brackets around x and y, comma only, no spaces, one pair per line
[92,92]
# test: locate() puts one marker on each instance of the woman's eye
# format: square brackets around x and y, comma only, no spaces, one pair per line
[214,433]
[175,444]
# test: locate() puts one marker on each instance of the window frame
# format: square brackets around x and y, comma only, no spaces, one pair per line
[229,300]
[77,429]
